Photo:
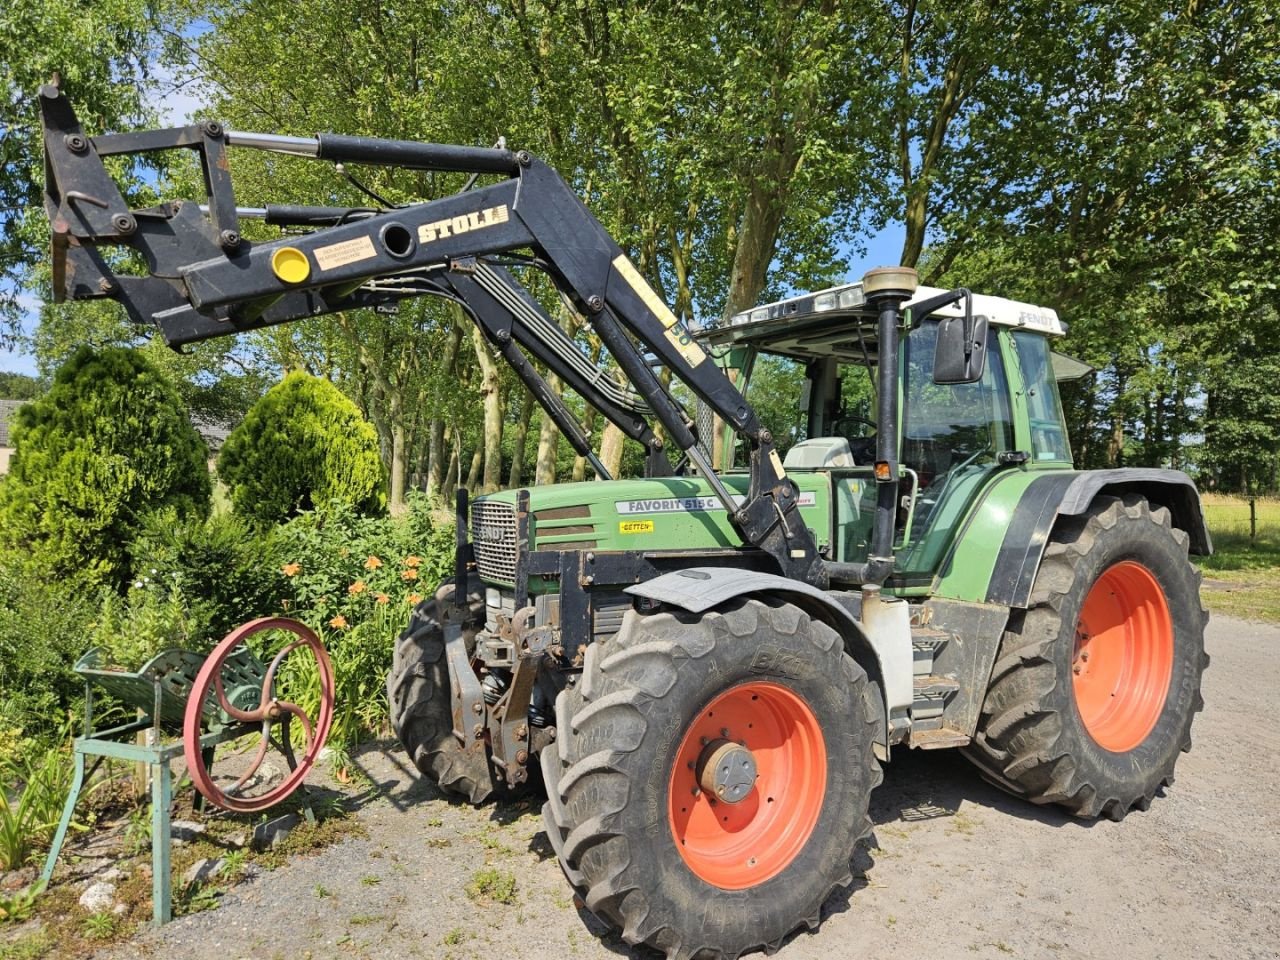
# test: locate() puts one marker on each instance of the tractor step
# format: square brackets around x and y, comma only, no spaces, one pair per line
[925,644]
[940,739]
[930,696]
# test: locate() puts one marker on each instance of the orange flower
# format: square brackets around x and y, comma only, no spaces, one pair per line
[290,569]
[338,622]
[381,597]
[410,574]
[357,587]
[373,563]
[412,561]
[413,598]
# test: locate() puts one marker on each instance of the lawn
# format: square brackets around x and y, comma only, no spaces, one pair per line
[1242,578]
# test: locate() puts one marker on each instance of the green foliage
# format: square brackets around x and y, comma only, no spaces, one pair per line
[42,634]
[149,618]
[100,926]
[18,386]
[18,905]
[493,886]
[101,50]
[29,816]
[301,446]
[109,443]
[217,565]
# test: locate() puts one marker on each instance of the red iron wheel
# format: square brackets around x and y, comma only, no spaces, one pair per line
[1123,656]
[748,783]
[254,701]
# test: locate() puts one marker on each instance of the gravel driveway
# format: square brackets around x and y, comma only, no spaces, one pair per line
[955,869]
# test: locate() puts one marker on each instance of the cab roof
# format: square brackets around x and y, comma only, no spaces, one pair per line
[827,323]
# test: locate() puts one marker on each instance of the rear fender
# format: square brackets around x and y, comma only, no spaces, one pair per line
[1060,494]
[698,589]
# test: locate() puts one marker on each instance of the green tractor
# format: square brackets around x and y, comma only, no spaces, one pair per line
[720,731]
[706,667]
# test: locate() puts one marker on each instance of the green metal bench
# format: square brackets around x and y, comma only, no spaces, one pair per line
[160,691]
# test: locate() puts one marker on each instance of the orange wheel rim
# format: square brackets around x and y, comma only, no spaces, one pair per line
[1123,657]
[735,845]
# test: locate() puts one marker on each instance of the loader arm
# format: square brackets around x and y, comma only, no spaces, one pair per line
[206,280]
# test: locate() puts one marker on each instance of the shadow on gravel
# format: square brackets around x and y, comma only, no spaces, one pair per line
[926,785]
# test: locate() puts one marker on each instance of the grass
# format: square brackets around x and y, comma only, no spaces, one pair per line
[1242,578]
[493,886]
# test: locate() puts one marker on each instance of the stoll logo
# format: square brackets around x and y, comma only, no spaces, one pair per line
[465,223]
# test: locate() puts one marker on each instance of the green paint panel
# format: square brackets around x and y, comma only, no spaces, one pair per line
[967,570]
[668,513]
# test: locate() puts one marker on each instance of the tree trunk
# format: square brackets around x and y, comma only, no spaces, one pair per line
[435,457]
[491,394]
[473,475]
[611,449]
[399,460]
[521,438]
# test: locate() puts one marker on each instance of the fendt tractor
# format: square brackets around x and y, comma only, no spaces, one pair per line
[705,668]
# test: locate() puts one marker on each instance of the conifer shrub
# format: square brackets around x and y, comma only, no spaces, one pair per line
[110,443]
[303,445]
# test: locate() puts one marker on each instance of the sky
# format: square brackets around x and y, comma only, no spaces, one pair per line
[176,103]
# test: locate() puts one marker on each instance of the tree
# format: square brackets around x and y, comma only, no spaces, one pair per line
[108,444]
[101,49]
[303,445]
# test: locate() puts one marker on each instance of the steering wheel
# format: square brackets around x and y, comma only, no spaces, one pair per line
[861,444]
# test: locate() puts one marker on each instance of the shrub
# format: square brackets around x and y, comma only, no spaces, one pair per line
[109,443]
[303,445]
[43,631]
[355,580]
[217,565]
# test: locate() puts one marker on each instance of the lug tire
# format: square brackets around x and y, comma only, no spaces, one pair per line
[418,693]
[615,793]
[1121,567]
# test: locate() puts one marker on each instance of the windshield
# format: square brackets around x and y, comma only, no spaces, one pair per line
[951,435]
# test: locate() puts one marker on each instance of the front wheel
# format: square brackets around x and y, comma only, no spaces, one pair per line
[711,777]
[1096,684]
[421,709]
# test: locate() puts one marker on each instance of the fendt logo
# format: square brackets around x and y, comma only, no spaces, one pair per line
[464,223]
[489,533]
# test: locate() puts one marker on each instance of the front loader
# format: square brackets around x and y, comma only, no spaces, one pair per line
[706,667]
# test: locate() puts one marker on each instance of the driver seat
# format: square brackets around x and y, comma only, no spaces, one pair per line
[819,453]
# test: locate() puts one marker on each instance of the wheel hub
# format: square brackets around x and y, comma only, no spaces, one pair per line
[727,770]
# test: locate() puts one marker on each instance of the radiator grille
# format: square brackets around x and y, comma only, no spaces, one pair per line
[493,538]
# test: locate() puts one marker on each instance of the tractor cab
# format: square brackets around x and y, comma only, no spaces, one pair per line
[953,438]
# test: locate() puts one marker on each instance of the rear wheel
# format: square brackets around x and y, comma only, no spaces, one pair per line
[421,710]
[1097,682]
[711,776]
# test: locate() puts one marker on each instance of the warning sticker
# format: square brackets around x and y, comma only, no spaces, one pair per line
[340,254]
[635,526]
[677,333]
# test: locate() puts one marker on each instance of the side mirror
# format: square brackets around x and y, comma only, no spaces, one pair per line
[961,352]
[960,356]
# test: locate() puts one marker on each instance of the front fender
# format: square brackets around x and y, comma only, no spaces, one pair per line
[698,589]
